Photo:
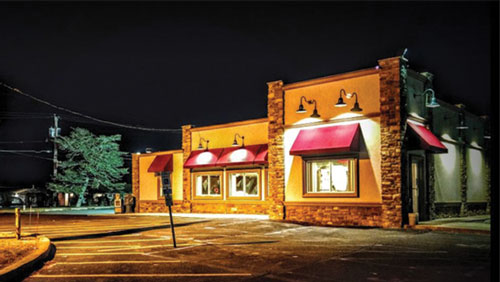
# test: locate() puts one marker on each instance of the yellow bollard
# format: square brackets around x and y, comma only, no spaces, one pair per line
[18,224]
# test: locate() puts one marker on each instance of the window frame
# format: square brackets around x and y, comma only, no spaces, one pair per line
[258,171]
[208,173]
[305,184]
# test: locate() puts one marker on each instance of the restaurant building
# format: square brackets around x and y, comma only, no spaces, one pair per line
[363,148]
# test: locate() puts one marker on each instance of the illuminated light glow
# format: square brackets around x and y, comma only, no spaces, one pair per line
[415,122]
[204,158]
[474,144]
[447,137]
[475,161]
[239,155]
[449,159]
[346,115]
[415,115]
[308,120]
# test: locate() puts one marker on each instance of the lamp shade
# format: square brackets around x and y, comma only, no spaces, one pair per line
[340,103]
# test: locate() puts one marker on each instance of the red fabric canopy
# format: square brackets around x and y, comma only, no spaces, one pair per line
[327,140]
[261,157]
[238,155]
[231,156]
[203,158]
[161,163]
[428,141]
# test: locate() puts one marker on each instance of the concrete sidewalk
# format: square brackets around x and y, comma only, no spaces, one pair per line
[57,209]
[480,224]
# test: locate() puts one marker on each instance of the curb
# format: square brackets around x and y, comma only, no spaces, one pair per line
[18,270]
[448,229]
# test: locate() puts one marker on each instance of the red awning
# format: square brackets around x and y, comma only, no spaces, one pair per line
[241,155]
[261,157]
[327,140]
[161,163]
[428,141]
[203,158]
[231,156]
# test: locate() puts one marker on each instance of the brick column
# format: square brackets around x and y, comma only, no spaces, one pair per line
[186,173]
[135,181]
[390,138]
[276,157]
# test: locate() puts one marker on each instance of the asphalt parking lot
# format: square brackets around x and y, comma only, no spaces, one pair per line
[139,248]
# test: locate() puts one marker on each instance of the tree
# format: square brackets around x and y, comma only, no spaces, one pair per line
[92,162]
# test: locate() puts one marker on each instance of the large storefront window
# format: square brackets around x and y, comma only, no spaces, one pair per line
[243,184]
[208,184]
[331,177]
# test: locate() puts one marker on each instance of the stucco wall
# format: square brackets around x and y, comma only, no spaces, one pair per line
[476,174]
[327,94]
[148,181]
[222,136]
[447,174]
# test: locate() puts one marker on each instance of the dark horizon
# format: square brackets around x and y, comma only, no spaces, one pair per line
[163,65]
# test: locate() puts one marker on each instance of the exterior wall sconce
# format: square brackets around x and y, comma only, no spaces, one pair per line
[301,108]
[429,104]
[200,147]
[235,142]
[341,103]
[461,117]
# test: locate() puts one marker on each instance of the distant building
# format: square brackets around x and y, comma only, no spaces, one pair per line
[363,148]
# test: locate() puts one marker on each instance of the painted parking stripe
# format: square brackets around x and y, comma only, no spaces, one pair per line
[118,261]
[108,241]
[99,254]
[140,275]
[104,249]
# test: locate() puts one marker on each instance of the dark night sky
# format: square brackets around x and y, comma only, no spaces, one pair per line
[165,65]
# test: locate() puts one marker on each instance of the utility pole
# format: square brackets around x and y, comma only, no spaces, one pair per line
[54,133]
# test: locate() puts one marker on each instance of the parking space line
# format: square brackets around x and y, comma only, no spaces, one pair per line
[104,249]
[140,275]
[79,241]
[118,261]
[99,254]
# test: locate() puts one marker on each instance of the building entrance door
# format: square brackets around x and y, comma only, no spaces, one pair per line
[418,189]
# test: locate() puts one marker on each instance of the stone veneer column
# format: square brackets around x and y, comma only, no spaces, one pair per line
[390,139]
[135,181]
[186,173]
[276,157]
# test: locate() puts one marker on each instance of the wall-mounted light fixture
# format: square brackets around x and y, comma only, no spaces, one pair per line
[200,146]
[432,103]
[301,108]
[235,142]
[341,103]
[461,117]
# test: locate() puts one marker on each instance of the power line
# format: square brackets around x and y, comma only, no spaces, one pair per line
[25,155]
[27,151]
[87,116]
[24,142]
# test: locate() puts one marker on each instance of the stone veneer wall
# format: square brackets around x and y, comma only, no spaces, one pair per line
[160,207]
[186,173]
[135,181]
[334,215]
[276,157]
[390,138]
[230,208]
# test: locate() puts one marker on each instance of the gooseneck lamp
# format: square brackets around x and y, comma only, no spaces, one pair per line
[430,98]
[356,107]
[301,108]
[340,102]
[235,142]
[200,147]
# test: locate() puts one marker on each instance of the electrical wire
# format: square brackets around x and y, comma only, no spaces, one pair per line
[87,116]
[26,155]
[28,151]
[24,142]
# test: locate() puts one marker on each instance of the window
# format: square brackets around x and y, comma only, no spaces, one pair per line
[243,184]
[208,184]
[331,177]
